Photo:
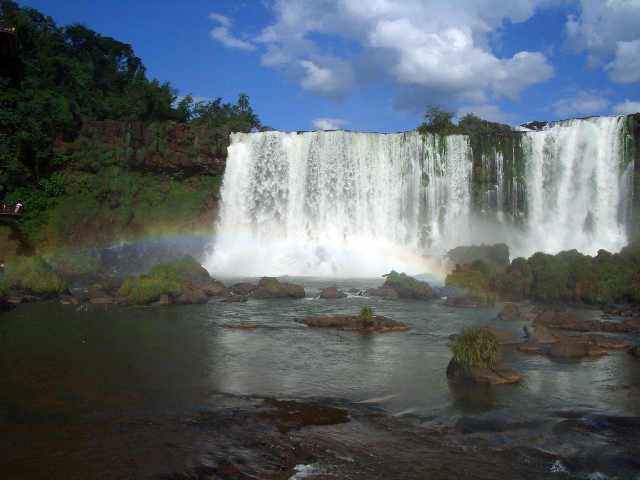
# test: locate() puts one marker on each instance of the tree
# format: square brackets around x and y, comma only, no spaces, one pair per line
[437,121]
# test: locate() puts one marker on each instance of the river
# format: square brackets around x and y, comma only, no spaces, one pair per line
[149,393]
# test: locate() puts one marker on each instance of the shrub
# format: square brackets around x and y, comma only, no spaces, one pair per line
[33,275]
[148,288]
[476,347]
[186,264]
[366,316]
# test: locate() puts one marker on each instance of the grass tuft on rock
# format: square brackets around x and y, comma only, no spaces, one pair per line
[366,316]
[161,279]
[476,347]
[274,286]
[32,275]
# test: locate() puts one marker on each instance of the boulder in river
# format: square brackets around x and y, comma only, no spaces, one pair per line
[377,323]
[499,374]
[331,293]
[511,311]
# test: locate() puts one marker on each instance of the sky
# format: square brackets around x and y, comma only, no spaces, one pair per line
[376,65]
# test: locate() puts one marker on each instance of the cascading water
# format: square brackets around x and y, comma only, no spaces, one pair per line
[360,204]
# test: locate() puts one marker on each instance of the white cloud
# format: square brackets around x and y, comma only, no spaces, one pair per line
[328,123]
[221,19]
[601,25]
[626,66]
[625,108]
[329,77]
[582,103]
[425,48]
[223,35]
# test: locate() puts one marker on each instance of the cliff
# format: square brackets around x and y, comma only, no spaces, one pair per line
[159,148]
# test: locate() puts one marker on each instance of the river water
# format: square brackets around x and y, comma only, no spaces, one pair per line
[147,392]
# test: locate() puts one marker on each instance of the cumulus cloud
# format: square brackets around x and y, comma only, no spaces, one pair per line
[328,123]
[601,27]
[626,66]
[626,107]
[582,103]
[329,77]
[422,48]
[223,35]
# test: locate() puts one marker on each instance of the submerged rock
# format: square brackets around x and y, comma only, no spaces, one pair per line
[460,301]
[234,299]
[602,341]
[566,347]
[497,375]
[570,321]
[378,323]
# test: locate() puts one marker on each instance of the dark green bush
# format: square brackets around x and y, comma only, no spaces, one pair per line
[366,316]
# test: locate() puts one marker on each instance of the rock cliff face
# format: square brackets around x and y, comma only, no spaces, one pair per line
[166,147]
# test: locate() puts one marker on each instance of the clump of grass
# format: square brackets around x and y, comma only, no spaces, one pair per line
[32,275]
[101,285]
[366,316]
[161,279]
[476,347]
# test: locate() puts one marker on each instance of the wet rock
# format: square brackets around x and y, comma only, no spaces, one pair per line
[355,291]
[190,294]
[380,292]
[213,290]
[499,374]
[460,301]
[391,295]
[566,347]
[18,297]
[162,301]
[242,288]
[234,299]
[332,292]
[570,321]
[66,299]
[634,351]
[243,325]
[505,337]
[511,311]
[271,287]
[407,287]
[103,301]
[602,341]
[543,335]
[533,345]
[353,324]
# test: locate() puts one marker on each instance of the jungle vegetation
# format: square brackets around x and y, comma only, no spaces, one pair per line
[63,76]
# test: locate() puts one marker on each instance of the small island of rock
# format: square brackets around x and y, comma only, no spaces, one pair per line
[377,323]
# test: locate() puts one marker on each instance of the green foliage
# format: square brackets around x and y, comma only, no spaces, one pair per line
[186,264]
[474,277]
[366,316]
[77,261]
[32,275]
[237,118]
[274,286]
[517,278]
[476,348]
[550,277]
[437,121]
[101,285]
[161,279]
[406,286]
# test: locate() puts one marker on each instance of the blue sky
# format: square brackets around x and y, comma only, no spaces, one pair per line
[375,65]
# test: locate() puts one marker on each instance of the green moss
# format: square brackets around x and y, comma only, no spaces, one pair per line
[274,286]
[476,348]
[473,278]
[406,286]
[186,264]
[33,275]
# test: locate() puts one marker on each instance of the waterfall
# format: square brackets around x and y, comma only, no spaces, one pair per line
[336,203]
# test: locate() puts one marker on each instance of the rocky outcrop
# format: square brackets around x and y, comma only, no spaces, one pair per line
[512,312]
[159,148]
[407,287]
[377,323]
[332,292]
[497,375]
[271,287]
[570,321]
